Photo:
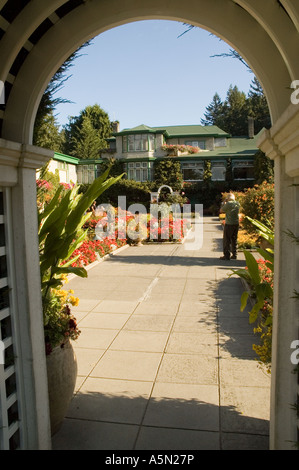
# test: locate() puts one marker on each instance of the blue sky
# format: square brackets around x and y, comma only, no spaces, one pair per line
[143,73]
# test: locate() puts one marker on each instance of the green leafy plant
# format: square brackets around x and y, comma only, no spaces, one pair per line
[168,172]
[264,231]
[60,234]
[259,290]
[258,275]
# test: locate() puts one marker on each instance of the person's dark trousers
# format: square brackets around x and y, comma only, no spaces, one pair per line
[230,236]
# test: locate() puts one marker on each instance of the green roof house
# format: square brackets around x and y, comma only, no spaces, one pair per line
[139,147]
[192,145]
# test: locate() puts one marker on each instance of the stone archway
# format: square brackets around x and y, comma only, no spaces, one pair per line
[162,187]
[36,37]
[237,22]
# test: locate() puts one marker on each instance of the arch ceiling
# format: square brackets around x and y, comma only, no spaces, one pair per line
[36,36]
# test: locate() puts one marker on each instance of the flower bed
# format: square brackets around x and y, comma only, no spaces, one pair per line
[265,272]
[264,318]
[166,230]
[90,250]
[150,228]
[246,240]
[177,148]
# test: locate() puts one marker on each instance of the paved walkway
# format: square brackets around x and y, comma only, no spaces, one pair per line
[165,358]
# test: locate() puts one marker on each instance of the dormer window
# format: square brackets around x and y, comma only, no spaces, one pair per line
[220,142]
[201,144]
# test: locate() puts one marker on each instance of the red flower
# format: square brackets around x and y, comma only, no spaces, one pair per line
[72,324]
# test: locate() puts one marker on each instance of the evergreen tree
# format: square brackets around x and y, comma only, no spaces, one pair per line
[214,113]
[86,134]
[48,135]
[236,112]
[86,143]
[232,114]
[49,99]
[258,106]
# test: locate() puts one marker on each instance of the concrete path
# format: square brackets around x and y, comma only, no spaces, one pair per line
[165,356]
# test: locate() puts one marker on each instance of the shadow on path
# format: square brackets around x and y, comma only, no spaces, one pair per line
[108,422]
[177,260]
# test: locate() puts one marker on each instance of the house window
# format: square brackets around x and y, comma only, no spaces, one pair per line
[85,174]
[125,143]
[192,171]
[220,142]
[152,142]
[112,145]
[201,144]
[218,171]
[243,170]
[138,143]
[61,165]
[140,171]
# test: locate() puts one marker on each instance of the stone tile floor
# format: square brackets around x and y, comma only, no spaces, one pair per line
[165,359]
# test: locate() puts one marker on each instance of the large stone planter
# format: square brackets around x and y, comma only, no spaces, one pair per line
[62,374]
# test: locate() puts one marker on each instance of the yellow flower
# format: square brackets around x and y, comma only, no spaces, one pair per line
[74,301]
[64,278]
[61,293]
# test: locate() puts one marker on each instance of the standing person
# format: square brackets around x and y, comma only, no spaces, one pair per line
[230,234]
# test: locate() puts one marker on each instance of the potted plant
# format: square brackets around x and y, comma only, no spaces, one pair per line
[60,234]
[60,328]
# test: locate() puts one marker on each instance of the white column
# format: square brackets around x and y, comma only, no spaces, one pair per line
[18,164]
[282,145]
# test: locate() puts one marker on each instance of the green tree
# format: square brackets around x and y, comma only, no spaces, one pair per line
[207,175]
[86,134]
[214,113]
[263,168]
[232,114]
[86,143]
[235,112]
[256,103]
[49,101]
[258,106]
[48,134]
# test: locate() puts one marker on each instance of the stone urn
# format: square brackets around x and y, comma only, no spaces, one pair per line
[138,242]
[62,375]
